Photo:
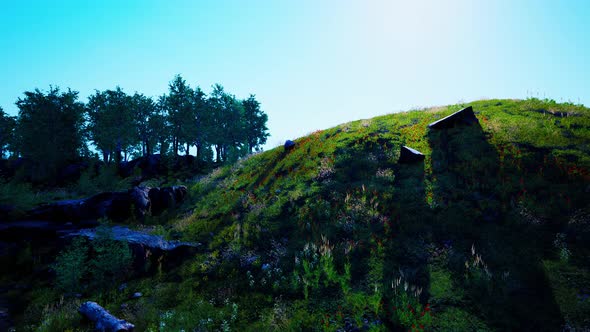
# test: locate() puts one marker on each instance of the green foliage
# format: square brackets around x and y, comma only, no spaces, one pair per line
[61,316]
[17,194]
[99,264]
[316,263]
[110,115]
[441,287]
[111,259]
[561,246]
[106,179]
[50,130]
[71,266]
[570,285]
[456,319]
[255,130]
[7,133]
[408,312]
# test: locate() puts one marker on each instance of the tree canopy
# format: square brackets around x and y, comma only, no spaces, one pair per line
[54,127]
[50,128]
[7,132]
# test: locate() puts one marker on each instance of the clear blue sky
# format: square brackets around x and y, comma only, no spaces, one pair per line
[312,64]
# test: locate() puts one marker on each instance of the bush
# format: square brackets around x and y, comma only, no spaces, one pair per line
[104,262]
[111,258]
[71,265]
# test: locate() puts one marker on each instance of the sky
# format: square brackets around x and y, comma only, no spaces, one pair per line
[312,64]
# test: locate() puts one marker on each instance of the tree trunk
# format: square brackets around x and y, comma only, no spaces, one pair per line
[198,154]
[105,156]
[187,146]
[218,153]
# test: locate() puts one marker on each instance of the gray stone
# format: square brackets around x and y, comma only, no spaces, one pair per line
[462,117]
[289,145]
[102,319]
[408,155]
[130,236]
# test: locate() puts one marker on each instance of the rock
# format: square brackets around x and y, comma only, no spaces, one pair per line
[289,145]
[136,295]
[464,117]
[113,205]
[102,319]
[116,206]
[166,198]
[150,166]
[408,155]
[141,201]
[130,236]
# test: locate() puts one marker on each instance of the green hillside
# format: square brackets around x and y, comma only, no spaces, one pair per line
[490,232]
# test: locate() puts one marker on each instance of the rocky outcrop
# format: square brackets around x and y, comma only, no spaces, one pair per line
[137,202]
[408,155]
[166,198]
[125,234]
[149,250]
[462,117]
[289,145]
[102,319]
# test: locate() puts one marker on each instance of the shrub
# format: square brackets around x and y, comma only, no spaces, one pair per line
[71,265]
[111,258]
[408,312]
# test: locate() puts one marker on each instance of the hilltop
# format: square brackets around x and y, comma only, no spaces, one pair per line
[489,231]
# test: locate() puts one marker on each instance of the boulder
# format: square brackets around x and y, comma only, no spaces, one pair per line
[408,155]
[147,248]
[462,117]
[289,145]
[116,206]
[102,319]
[165,198]
[141,201]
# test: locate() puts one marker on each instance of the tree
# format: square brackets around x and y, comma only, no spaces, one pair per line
[50,129]
[179,105]
[111,122]
[144,109]
[7,133]
[254,124]
[202,125]
[160,126]
[228,126]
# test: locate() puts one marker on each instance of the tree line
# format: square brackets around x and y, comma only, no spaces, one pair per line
[56,128]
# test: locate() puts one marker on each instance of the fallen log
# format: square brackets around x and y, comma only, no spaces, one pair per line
[103,320]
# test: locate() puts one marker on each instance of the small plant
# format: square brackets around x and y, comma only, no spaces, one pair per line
[71,265]
[407,309]
[111,258]
[316,263]
[561,246]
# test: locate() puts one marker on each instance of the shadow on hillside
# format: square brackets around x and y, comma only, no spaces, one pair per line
[408,251]
[468,211]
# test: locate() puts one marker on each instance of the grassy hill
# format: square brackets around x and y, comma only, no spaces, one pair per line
[490,232]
